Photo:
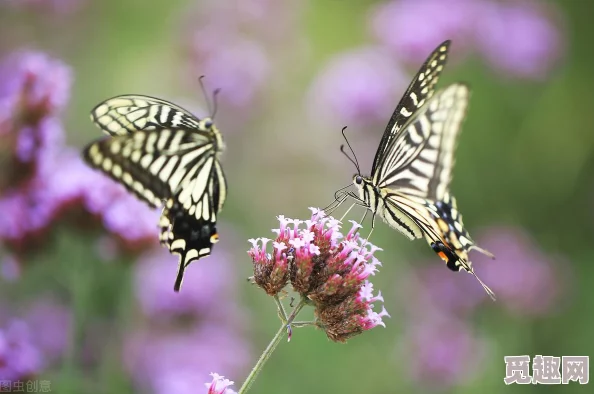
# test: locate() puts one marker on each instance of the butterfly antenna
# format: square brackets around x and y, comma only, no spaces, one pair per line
[215,102]
[354,158]
[209,105]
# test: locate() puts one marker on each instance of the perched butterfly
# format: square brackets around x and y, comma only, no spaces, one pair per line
[412,168]
[167,157]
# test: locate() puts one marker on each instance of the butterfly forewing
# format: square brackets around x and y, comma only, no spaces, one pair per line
[163,154]
[420,89]
[126,114]
[420,159]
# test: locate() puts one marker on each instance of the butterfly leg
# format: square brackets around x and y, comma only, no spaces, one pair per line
[339,198]
[347,212]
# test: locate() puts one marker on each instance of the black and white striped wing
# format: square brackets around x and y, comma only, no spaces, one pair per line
[421,158]
[153,143]
[188,221]
[418,92]
[127,114]
[164,154]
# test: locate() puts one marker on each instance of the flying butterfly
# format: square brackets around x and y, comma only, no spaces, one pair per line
[412,169]
[168,158]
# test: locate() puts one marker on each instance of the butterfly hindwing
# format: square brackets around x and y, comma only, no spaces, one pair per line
[163,154]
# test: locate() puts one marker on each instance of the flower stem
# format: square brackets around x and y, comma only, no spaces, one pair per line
[270,348]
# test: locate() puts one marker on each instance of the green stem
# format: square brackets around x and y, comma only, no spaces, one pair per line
[270,348]
[282,314]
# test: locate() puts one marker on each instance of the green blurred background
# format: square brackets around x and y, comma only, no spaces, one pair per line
[525,162]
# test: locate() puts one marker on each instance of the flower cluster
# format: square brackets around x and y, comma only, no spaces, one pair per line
[41,178]
[328,268]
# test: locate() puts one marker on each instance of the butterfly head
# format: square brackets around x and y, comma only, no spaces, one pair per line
[206,124]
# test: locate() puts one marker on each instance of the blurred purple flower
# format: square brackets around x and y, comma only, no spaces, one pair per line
[180,360]
[206,284]
[67,178]
[32,85]
[519,38]
[232,63]
[63,178]
[19,357]
[441,351]
[10,268]
[23,214]
[53,323]
[37,142]
[414,28]
[522,276]
[437,287]
[131,219]
[357,87]
[33,88]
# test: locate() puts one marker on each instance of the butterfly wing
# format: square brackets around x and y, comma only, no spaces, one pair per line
[415,178]
[419,160]
[130,113]
[162,153]
[418,92]
[188,222]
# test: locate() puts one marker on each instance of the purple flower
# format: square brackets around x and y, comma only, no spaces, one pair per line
[19,357]
[32,85]
[53,323]
[40,141]
[437,287]
[413,28]
[67,178]
[10,268]
[234,64]
[441,351]
[332,274]
[33,88]
[356,87]
[219,385]
[208,283]
[519,38]
[23,214]
[131,219]
[178,360]
[522,276]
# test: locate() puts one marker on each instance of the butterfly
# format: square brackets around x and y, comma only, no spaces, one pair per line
[412,169]
[168,158]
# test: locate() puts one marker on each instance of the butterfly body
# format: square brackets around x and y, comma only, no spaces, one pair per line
[412,169]
[167,157]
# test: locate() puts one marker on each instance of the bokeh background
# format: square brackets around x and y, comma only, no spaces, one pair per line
[86,298]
